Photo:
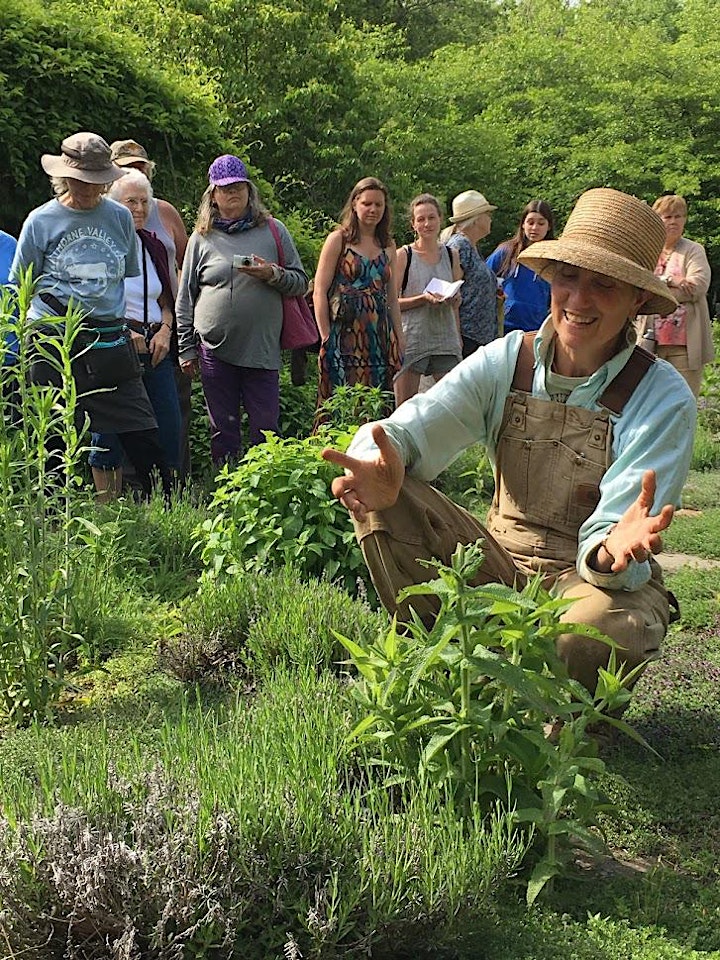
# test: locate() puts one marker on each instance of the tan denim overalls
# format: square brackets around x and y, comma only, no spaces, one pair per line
[550,460]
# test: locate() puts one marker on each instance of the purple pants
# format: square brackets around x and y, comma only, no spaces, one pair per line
[227,388]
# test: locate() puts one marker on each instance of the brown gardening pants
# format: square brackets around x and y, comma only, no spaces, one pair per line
[424,525]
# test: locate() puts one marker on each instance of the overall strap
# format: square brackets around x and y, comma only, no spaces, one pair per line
[525,363]
[618,392]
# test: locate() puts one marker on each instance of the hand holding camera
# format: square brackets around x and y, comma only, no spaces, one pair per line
[253,266]
[243,260]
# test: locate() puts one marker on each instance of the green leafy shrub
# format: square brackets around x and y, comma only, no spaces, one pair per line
[464,705]
[469,479]
[276,508]
[351,406]
[79,68]
[297,404]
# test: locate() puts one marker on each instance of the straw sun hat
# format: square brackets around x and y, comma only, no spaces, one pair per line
[469,204]
[610,233]
[84,156]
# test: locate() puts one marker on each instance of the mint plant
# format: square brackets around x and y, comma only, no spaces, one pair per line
[276,508]
[465,704]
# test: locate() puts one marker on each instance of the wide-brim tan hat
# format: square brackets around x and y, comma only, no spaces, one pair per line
[610,233]
[84,156]
[469,204]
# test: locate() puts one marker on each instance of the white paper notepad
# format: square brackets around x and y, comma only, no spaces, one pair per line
[442,288]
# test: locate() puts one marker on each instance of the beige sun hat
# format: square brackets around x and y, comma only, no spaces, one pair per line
[469,204]
[613,234]
[84,156]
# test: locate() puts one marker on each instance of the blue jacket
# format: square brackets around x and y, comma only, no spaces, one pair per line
[7,252]
[527,296]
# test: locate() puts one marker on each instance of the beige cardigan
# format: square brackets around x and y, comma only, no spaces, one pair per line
[695,267]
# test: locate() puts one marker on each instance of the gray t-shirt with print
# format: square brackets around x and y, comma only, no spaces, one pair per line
[83,254]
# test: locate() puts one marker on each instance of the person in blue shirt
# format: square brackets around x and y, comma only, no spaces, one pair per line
[527,295]
[590,438]
[7,252]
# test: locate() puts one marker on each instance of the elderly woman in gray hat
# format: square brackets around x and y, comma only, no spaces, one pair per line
[470,222]
[590,437]
[81,247]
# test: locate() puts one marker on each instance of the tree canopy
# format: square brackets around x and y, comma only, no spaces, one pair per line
[516,98]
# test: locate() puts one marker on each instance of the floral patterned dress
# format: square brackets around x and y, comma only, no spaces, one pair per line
[361,347]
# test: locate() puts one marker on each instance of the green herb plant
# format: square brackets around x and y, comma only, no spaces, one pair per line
[350,406]
[465,703]
[276,508]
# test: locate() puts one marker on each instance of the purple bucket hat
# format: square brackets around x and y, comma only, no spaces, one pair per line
[227,169]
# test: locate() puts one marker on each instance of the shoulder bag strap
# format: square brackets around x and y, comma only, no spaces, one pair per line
[408,251]
[276,236]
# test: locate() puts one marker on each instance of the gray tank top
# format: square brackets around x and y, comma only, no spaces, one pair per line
[429,331]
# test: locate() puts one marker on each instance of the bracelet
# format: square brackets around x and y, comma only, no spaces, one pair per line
[603,542]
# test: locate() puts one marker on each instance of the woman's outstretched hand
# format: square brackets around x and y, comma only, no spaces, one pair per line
[368,484]
[636,535]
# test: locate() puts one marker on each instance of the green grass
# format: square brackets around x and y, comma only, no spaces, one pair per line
[252,774]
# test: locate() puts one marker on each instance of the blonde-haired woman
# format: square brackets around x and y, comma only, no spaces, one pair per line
[684,338]
[470,222]
[230,306]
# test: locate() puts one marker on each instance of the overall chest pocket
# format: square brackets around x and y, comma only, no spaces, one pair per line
[551,460]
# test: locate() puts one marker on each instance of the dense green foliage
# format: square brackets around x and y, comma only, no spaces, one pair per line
[62,72]
[538,97]
[276,509]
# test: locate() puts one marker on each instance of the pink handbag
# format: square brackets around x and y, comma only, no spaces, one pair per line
[298,327]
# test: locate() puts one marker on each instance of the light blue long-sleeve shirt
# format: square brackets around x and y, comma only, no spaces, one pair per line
[655,432]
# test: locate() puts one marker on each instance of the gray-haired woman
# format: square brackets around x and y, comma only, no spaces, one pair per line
[470,222]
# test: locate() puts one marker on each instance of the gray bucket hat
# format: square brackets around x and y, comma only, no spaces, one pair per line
[84,156]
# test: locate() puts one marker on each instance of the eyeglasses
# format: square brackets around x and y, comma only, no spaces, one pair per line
[231,187]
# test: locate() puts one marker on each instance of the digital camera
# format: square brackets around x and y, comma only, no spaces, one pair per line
[243,260]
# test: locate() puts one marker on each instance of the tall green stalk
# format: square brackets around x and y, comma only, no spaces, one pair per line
[38,493]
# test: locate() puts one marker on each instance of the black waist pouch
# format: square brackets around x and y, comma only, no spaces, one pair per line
[104,358]
[104,355]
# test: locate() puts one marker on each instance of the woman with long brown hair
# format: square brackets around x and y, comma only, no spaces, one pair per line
[527,295]
[362,333]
